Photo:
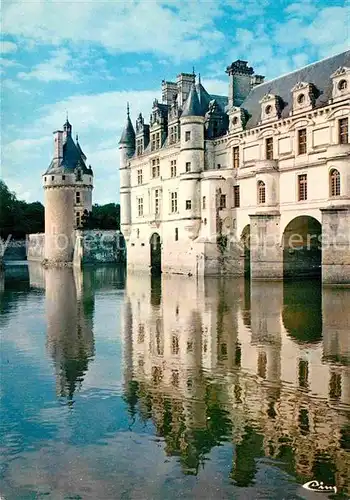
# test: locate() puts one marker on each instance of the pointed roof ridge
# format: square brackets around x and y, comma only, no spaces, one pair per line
[79,148]
[192,105]
[128,134]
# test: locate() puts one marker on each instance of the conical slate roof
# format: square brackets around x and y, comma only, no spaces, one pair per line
[192,105]
[203,97]
[128,134]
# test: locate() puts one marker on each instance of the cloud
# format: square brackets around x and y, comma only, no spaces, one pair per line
[7,47]
[183,32]
[57,68]
[8,62]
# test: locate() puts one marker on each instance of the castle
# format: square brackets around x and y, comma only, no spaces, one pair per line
[249,183]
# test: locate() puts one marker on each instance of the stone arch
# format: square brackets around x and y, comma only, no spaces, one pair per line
[155,254]
[302,248]
[245,242]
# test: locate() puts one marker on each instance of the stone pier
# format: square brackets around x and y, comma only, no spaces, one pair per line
[336,245]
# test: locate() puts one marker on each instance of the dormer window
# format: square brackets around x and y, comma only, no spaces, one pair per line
[341,82]
[237,119]
[304,96]
[270,107]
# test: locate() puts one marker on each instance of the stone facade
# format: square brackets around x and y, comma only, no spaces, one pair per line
[270,159]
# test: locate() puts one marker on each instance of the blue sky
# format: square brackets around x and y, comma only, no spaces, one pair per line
[90,57]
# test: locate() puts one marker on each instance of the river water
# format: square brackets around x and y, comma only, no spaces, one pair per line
[145,388]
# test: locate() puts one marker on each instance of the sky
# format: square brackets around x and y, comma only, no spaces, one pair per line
[88,58]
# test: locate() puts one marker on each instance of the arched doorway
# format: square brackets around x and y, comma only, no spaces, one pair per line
[245,241]
[302,248]
[156,254]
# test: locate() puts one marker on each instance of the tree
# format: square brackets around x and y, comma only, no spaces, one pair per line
[18,218]
[102,217]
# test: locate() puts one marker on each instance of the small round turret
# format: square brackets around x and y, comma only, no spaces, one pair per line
[126,150]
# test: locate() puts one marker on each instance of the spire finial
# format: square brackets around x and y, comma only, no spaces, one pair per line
[127,109]
[66,116]
[77,138]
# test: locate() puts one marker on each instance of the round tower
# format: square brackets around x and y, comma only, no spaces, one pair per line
[191,162]
[126,151]
[68,185]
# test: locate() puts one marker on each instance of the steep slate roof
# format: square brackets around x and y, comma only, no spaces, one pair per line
[192,105]
[128,134]
[221,100]
[317,73]
[72,156]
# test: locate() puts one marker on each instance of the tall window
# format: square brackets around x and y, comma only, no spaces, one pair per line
[302,141]
[188,166]
[236,197]
[140,206]
[157,140]
[302,187]
[335,183]
[139,146]
[77,197]
[155,168]
[269,148]
[175,344]
[173,168]
[222,201]
[204,203]
[139,176]
[173,203]
[236,157]
[176,234]
[187,135]
[77,219]
[343,131]
[156,201]
[188,204]
[173,135]
[261,192]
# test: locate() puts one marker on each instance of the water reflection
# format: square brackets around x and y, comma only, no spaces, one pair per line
[206,369]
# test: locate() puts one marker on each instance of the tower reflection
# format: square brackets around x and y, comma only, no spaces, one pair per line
[70,339]
[209,365]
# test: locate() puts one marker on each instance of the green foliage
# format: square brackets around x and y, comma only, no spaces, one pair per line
[102,217]
[19,218]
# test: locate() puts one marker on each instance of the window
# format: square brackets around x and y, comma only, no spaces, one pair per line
[140,206]
[236,197]
[301,99]
[302,141]
[79,175]
[335,386]
[269,148]
[302,187]
[139,176]
[342,85]
[157,140]
[173,199]
[176,234]
[335,183]
[187,135]
[156,201]
[173,168]
[139,146]
[155,168]
[222,201]
[268,110]
[77,219]
[188,166]
[77,198]
[261,192]
[137,233]
[236,157]
[45,179]
[52,177]
[173,134]
[303,373]
[153,142]
[188,204]
[175,378]
[343,131]
[63,177]
[175,345]
[204,203]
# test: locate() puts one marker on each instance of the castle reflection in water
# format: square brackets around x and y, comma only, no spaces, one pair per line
[263,365]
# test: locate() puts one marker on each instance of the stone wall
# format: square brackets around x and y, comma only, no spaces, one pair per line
[91,247]
[36,247]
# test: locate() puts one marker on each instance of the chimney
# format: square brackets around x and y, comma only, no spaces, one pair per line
[184,84]
[169,92]
[58,144]
[240,85]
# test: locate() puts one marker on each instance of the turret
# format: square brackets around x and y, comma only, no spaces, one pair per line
[68,185]
[127,150]
[191,160]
